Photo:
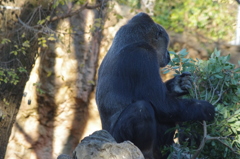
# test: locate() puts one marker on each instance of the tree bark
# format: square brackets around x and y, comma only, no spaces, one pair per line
[54,111]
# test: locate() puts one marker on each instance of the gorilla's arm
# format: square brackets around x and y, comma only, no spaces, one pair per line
[187,110]
[140,64]
[179,85]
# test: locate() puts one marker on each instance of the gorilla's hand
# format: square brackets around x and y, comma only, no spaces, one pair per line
[196,110]
[184,81]
[208,111]
[180,84]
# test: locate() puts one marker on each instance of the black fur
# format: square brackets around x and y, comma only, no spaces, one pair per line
[133,102]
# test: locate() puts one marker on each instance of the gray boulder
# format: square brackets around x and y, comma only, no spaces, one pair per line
[101,145]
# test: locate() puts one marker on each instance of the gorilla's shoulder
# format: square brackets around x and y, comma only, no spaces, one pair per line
[141,46]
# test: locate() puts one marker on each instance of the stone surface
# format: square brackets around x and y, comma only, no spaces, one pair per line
[101,145]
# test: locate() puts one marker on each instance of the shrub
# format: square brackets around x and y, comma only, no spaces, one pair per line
[217,81]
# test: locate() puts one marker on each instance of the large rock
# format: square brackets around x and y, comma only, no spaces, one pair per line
[101,145]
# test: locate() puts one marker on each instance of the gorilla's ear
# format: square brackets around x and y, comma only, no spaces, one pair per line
[159,33]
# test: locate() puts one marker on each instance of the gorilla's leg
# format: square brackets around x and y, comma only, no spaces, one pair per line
[137,124]
[163,138]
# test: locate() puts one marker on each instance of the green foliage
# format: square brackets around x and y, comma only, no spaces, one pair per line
[21,49]
[38,88]
[207,17]
[9,76]
[63,2]
[217,81]
[5,41]
[10,71]
[42,42]
[215,19]
[34,35]
[43,21]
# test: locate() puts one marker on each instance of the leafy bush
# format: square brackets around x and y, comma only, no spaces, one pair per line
[217,81]
[204,17]
[207,17]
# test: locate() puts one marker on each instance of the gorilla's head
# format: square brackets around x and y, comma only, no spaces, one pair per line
[145,29]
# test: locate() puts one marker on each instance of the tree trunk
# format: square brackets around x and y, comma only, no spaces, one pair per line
[148,6]
[54,111]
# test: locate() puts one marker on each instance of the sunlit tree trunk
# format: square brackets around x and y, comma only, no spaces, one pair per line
[148,6]
[54,111]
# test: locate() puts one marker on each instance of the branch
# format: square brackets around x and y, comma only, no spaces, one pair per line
[93,7]
[40,28]
[85,6]
[219,139]
[68,14]
[195,87]
[221,92]
[206,138]
[206,94]
[214,89]
[202,142]
[34,12]
[27,26]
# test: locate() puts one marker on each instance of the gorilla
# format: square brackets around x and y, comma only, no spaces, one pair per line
[133,102]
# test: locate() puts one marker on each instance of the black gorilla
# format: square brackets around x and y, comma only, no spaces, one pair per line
[133,102]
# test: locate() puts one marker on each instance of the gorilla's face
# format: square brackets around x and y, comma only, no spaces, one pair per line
[165,59]
[142,28]
[160,43]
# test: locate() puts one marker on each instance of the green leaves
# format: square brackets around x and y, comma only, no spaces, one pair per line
[179,63]
[38,88]
[203,16]
[218,76]
[183,53]
[217,81]
[26,44]
[5,41]
[42,42]
[21,49]
[8,76]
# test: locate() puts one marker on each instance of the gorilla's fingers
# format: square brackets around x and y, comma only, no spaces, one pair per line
[185,74]
[186,83]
